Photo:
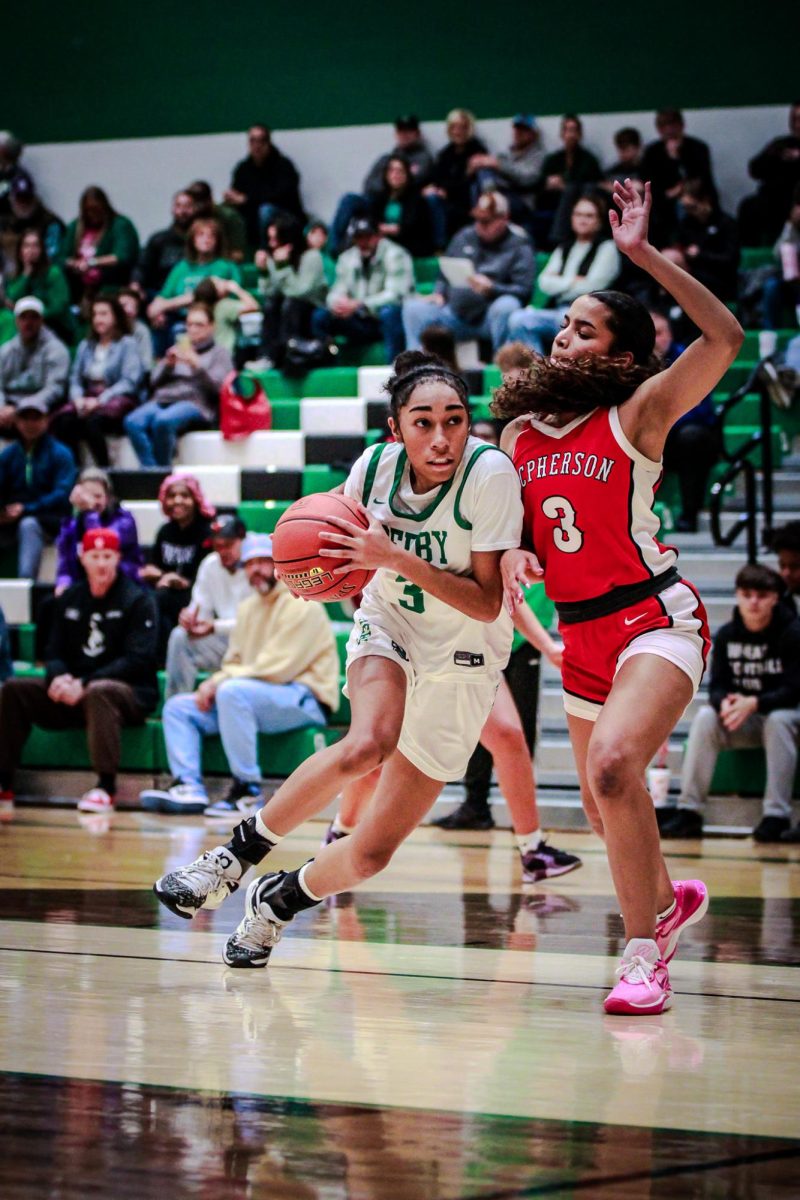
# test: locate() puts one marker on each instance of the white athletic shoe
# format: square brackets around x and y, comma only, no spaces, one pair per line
[205,883]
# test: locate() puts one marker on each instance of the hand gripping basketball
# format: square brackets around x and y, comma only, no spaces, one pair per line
[308,569]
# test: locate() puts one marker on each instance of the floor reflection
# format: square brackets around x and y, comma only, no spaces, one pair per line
[737,929]
[69,1138]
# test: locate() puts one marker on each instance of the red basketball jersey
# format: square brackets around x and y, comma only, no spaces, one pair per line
[588,498]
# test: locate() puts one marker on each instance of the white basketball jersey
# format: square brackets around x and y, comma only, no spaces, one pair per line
[478,509]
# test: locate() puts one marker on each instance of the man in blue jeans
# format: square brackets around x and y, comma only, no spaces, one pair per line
[280,672]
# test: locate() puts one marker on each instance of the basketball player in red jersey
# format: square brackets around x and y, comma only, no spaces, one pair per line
[587,439]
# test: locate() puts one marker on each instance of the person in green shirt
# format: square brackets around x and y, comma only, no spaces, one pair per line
[100,247]
[37,276]
[205,258]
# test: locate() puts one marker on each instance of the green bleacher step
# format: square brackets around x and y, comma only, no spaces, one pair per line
[261,516]
[66,749]
[743,773]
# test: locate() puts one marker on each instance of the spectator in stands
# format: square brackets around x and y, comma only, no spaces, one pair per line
[200,639]
[399,212]
[95,506]
[229,302]
[514,172]
[412,147]
[670,162]
[100,671]
[205,257]
[372,279]
[229,218]
[565,175]
[264,184]
[503,278]
[513,358]
[184,391]
[37,276]
[165,248]
[782,289]
[705,242]
[777,170]
[785,542]
[754,693]
[628,143]
[6,661]
[693,443]
[36,478]
[104,383]
[33,366]
[10,153]
[27,212]
[292,285]
[317,236]
[100,248]
[587,261]
[130,301]
[449,191]
[280,672]
[180,546]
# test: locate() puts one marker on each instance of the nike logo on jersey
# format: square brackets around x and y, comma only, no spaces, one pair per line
[632,620]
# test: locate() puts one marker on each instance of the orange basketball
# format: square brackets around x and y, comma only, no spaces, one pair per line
[296,545]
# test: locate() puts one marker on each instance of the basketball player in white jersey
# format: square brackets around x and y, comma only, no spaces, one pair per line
[424,658]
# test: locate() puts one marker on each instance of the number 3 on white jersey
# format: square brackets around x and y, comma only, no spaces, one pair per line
[567,537]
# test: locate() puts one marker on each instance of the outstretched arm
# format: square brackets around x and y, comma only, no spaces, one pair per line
[658,403]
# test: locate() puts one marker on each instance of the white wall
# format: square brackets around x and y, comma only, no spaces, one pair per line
[140,175]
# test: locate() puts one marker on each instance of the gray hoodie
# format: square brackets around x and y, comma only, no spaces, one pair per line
[38,372]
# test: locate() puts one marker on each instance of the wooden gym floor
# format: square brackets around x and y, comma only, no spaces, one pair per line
[436,1036]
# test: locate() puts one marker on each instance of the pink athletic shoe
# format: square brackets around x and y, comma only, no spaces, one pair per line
[691,905]
[644,986]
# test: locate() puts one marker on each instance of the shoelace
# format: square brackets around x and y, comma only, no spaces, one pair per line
[257,933]
[637,970]
[204,873]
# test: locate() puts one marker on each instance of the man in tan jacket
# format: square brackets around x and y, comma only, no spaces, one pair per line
[280,672]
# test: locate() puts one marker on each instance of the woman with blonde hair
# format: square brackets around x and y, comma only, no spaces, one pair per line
[449,190]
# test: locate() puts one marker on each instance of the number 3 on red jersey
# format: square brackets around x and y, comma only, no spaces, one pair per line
[567,536]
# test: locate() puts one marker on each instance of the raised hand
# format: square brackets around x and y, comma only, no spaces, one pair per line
[629,227]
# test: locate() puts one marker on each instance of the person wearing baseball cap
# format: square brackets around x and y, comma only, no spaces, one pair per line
[514,171]
[34,364]
[100,670]
[199,640]
[36,478]
[372,279]
[280,672]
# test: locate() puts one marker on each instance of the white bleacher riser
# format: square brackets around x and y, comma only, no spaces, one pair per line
[148,517]
[122,453]
[221,485]
[468,354]
[266,448]
[15,600]
[371,381]
[327,415]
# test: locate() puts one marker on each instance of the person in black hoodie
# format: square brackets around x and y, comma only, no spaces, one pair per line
[180,546]
[264,184]
[399,211]
[754,693]
[100,671]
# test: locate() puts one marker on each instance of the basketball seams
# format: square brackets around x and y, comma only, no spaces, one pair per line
[300,527]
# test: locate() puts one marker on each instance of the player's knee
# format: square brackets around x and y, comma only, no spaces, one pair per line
[370,858]
[361,753]
[508,739]
[609,770]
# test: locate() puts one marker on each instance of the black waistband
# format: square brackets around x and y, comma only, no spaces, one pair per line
[618,598]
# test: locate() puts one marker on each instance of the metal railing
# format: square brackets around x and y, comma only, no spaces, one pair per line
[741,464]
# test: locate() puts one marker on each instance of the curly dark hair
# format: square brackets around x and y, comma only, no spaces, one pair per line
[412,367]
[577,385]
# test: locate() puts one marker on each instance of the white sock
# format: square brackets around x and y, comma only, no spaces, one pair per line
[265,832]
[529,841]
[662,916]
[301,879]
[338,825]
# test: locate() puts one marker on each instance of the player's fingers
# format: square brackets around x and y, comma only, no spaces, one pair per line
[347,526]
[337,552]
[338,539]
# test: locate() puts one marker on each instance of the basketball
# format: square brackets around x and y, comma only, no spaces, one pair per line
[296,545]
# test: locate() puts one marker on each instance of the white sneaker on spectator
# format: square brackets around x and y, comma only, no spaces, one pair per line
[177,798]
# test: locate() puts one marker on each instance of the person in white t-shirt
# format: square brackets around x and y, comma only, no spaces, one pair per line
[199,640]
[424,659]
